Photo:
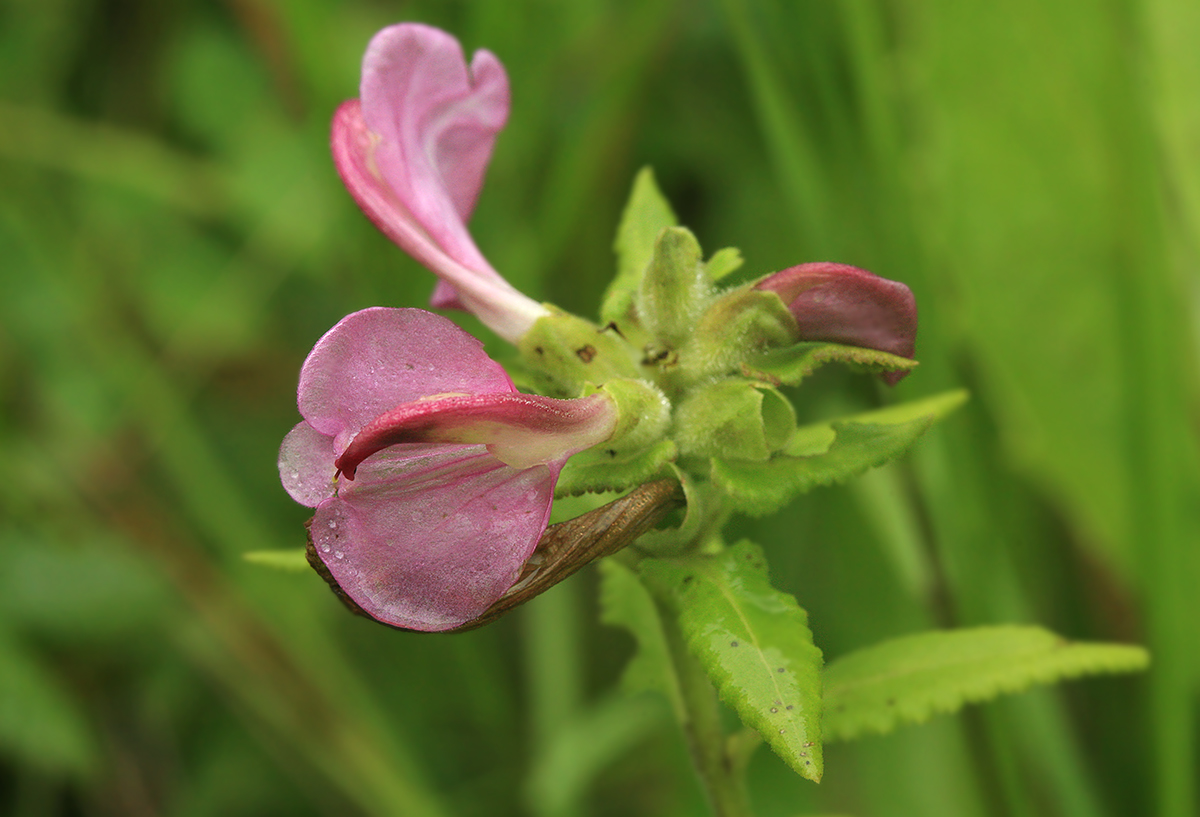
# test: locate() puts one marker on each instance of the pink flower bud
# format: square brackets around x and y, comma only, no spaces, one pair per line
[838,303]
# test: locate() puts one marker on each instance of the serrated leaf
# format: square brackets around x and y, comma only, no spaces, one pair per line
[600,469]
[791,364]
[814,458]
[625,603]
[645,216]
[291,559]
[910,679]
[753,642]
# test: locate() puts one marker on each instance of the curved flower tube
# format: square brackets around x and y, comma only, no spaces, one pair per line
[432,477]
[839,303]
[413,151]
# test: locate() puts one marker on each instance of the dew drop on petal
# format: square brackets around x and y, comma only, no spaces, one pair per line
[339,554]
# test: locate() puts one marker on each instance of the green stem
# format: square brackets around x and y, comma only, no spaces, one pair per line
[722,774]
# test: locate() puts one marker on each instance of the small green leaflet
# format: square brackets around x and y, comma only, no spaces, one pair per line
[753,642]
[724,262]
[646,215]
[625,603]
[829,452]
[910,679]
[791,364]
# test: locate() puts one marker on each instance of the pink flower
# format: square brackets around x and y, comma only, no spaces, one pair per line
[432,477]
[413,151]
[838,303]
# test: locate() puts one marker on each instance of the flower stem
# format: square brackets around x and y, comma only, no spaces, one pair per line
[721,772]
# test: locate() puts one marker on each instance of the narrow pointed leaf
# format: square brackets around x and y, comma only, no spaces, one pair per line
[724,262]
[910,679]
[830,452]
[292,560]
[755,644]
[646,215]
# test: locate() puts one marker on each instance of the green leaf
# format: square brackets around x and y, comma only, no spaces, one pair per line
[792,364]
[646,215]
[40,723]
[625,603]
[829,452]
[290,559]
[910,679]
[753,642]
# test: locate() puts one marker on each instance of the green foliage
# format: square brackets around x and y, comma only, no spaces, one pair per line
[829,452]
[755,644]
[910,679]
[39,720]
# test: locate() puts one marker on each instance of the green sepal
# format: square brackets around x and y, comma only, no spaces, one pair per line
[563,352]
[723,263]
[829,452]
[754,643]
[791,364]
[604,469]
[910,679]
[625,603]
[646,215]
[733,418]
[674,288]
[735,326]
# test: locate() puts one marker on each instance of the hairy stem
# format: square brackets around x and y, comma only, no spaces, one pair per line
[721,772]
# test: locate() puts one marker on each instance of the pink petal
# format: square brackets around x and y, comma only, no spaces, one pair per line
[427,538]
[445,247]
[306,465]
[378,358]
[437,123]
[843,304]
[521,430]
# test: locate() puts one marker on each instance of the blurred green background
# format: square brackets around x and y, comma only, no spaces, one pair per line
[173,239]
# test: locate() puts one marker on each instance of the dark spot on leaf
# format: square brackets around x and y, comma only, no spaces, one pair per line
[808,763]
[539,350]
[611,453]
[790,707]
[687,579]
[733,643]
[586,354]
[779,670]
